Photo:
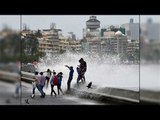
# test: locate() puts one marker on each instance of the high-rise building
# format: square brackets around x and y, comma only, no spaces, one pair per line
[150,31]
[93,24]
[92,34]
[114,42]
[131,30]
[50,41]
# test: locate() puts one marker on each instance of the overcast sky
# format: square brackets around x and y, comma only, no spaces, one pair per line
[68,23]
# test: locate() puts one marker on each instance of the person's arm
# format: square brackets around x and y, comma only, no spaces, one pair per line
[67,66]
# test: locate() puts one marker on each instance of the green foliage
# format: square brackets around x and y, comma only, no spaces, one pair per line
[10,47]
[31,58]
[29,48]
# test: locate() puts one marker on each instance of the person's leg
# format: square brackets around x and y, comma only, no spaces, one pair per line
[51,89]
[84,80]
[54,91]
[68,85]
[17,90]
[84,77]
[61,90]
[47,79]
[78,79]
[34,90]
[81,78]
[42,90]
[39,89]
[58,88]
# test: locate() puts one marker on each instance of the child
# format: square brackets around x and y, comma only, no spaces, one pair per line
[79,75]
[34,84]
[59,82]
[70,76]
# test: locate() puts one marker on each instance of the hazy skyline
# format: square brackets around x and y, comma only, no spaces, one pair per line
[68,23]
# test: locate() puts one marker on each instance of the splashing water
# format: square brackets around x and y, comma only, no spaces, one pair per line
[104,71]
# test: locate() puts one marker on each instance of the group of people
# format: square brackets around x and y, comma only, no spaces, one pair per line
[40,81]
[56,79]
[81,69]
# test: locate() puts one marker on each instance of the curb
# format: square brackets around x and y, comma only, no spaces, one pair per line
[105,98]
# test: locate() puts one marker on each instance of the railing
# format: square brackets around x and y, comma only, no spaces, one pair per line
[28,77]
[14,77]
[9,76]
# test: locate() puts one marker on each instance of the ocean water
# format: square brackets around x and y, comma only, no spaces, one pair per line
[104,71]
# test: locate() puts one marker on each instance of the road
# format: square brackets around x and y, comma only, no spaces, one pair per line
[7,91]
[7,97]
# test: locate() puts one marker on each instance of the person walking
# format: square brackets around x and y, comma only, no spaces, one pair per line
[35,85]
[42,84]
[52,82]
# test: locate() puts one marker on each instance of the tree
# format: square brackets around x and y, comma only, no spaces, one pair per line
[29,48]
[30,45]
[10,47]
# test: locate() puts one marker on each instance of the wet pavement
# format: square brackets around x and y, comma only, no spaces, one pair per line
[7,91]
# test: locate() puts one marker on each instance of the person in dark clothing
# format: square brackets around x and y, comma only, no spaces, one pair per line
[79,75]
[59,83]
[78,71]
[83,68]
[70,77]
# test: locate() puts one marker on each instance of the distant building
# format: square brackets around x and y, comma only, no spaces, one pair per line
[92,34]
[84,45]
[93,24]
[150,31]
[132,46]
[72,36]
[69,45]
[132,30]
[63,44]
[49,43]
[75,45]
[114,42]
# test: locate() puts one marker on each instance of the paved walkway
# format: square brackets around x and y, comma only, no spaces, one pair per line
[7,97]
